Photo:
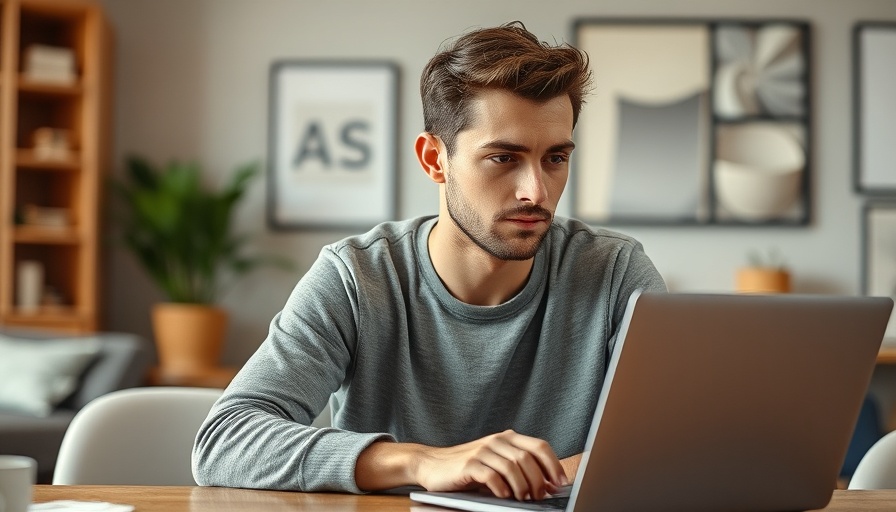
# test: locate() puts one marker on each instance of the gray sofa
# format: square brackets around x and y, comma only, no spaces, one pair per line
[122,362]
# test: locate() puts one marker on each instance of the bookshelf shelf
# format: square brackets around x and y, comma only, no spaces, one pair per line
[26,159]
[46,236]
[28,86]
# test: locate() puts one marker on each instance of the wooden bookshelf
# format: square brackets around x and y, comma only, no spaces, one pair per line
[70,182]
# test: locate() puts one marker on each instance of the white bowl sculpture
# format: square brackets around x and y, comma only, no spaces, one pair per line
[758,171]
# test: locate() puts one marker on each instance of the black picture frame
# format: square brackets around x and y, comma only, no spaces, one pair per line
[619,180]
[332,143]
[874,107]
[878,253]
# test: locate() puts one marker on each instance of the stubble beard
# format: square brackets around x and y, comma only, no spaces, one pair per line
[489,240]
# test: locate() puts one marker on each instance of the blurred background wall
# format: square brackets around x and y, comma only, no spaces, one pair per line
[192,83]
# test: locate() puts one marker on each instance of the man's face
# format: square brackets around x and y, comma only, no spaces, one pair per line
[504,180]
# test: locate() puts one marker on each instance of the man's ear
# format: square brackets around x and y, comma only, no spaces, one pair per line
[429,149]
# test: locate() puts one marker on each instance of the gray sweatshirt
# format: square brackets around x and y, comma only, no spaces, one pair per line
[372,328]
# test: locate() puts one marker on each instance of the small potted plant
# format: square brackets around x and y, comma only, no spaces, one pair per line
[181,233]
[764,275]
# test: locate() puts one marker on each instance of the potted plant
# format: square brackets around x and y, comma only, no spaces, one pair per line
[181,233]
[764,275]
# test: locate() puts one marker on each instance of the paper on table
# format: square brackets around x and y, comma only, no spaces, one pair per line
[78,506]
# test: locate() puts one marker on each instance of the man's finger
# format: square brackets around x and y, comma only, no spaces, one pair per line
[544,454]
[491,479]
[506,468]
[527,464]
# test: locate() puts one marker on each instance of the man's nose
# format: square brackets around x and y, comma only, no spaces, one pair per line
[531,187]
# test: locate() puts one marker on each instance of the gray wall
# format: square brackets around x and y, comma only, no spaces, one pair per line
[192,84]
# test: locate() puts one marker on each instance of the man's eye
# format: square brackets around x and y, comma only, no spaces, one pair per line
[502,159]
[558,159]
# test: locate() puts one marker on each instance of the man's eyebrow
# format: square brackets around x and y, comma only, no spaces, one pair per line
[566,146]
[519,148]
[505,145]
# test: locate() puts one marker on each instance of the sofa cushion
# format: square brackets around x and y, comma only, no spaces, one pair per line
[35,375]
[122,363]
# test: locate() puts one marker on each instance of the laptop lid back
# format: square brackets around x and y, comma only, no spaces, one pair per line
[730,402]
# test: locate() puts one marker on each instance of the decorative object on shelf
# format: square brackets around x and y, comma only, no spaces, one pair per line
[52,144]
[878,262]
[874,108]
[660,142]
[181,232]
[29,285]
[332,148]
[49,64]
[764,275]
[52,299]
[47,217]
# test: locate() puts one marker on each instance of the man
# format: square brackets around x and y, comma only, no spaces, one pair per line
[461,351]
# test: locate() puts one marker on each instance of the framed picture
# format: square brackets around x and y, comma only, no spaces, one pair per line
[694,122]
[332,144]
[879,254]
[874,45]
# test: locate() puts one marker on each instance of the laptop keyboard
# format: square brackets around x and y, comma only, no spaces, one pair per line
[466,500]
[558,503]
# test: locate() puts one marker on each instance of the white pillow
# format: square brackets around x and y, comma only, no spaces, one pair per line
[35,375]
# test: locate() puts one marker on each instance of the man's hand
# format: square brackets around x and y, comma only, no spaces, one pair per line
[507,463]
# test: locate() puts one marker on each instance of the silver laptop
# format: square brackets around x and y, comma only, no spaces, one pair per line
[721,402]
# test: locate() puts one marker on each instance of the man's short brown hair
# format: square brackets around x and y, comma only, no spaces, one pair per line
[507,57]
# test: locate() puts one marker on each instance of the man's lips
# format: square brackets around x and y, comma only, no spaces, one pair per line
[526,221]
[527,217]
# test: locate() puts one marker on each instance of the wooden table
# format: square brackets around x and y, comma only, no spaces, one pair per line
[208,499]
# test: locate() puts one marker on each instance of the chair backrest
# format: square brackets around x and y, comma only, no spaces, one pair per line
[138,436]
[877,469]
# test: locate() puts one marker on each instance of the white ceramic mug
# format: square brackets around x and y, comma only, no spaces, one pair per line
[17,477]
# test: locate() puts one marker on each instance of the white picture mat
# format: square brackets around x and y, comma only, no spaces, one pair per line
[331,96]
[880,259]
[661,65]
[877,107]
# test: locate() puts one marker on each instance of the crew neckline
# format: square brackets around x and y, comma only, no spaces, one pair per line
[534,286]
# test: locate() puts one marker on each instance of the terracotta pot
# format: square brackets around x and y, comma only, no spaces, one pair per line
[763,280]
[188,336]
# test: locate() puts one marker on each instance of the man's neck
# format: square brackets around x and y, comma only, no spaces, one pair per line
[470,273]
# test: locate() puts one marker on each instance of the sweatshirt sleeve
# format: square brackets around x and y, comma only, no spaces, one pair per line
[257,435]
[633,270]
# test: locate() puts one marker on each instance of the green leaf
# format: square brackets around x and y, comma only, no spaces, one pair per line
[142,173]
[181,230]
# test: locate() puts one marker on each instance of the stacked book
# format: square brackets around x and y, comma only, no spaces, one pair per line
[49,64]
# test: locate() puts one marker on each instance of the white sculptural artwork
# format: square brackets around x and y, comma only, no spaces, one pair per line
[760,71]
[758,170]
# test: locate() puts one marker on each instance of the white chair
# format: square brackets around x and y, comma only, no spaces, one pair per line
[877,469]
[138,436]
